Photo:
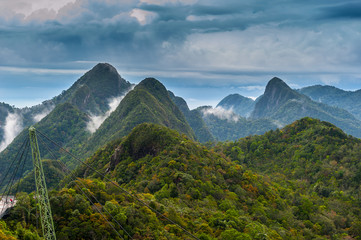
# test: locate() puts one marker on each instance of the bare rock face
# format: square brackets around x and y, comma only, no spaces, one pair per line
[116,157]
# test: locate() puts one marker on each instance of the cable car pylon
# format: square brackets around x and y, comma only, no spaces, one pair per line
[41,189]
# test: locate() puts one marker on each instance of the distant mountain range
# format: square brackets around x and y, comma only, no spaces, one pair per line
[68,123]
[282,105]
[102,106]
[281,181]
[348,100]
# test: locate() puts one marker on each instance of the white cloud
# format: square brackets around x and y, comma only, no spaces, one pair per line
[222,113]
[41,70]
[37,5]
[96,121]
[38,117]
[13,126]
[143,17]
[252,88]
[25,10]
[164,2]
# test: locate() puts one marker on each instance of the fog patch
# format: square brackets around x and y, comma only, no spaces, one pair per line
[278,124]
[222,113]
[13,126]
[44,113]
[97,120]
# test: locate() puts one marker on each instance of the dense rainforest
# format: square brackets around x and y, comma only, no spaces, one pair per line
[299,182]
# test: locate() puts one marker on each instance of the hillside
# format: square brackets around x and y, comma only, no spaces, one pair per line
[348,100]
[53,175]
[284,105]
[300,182]
[149,102]
[310,150]
[66,125]
[194,118]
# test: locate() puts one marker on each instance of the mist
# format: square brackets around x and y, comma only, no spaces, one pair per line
[13,126]
[44,113]
[221,113]
[97,120]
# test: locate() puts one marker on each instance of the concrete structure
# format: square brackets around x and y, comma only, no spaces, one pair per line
[6,203]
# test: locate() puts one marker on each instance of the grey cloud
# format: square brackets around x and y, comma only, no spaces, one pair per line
[348,10]
[224,39]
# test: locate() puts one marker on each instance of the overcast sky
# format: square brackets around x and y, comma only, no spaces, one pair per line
[202,50]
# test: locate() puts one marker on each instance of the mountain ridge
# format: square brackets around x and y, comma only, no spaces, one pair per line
[150,102]
[348,100]
[276,94]
[194,118]
[285,105]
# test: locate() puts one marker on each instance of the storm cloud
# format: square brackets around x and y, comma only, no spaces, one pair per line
[182,42]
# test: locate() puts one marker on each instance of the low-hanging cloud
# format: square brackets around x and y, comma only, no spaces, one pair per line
[97,120]
[221,113]
[44,113]
[13,126]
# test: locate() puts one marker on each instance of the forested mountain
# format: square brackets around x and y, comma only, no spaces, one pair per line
[66,125]
[67,122]
[90,94]
[243,106]
[194,118]
[150,102]
[284,105]
[312,150]
[300,182]
[92,91]
[349,100]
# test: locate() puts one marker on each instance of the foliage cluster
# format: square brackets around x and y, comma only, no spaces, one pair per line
[300,182]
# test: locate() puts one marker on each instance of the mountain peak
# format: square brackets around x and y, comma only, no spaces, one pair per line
[91,92]
[151,83]
[277,93]
[101,71]
[104,67]
[155,87]
[276,83]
